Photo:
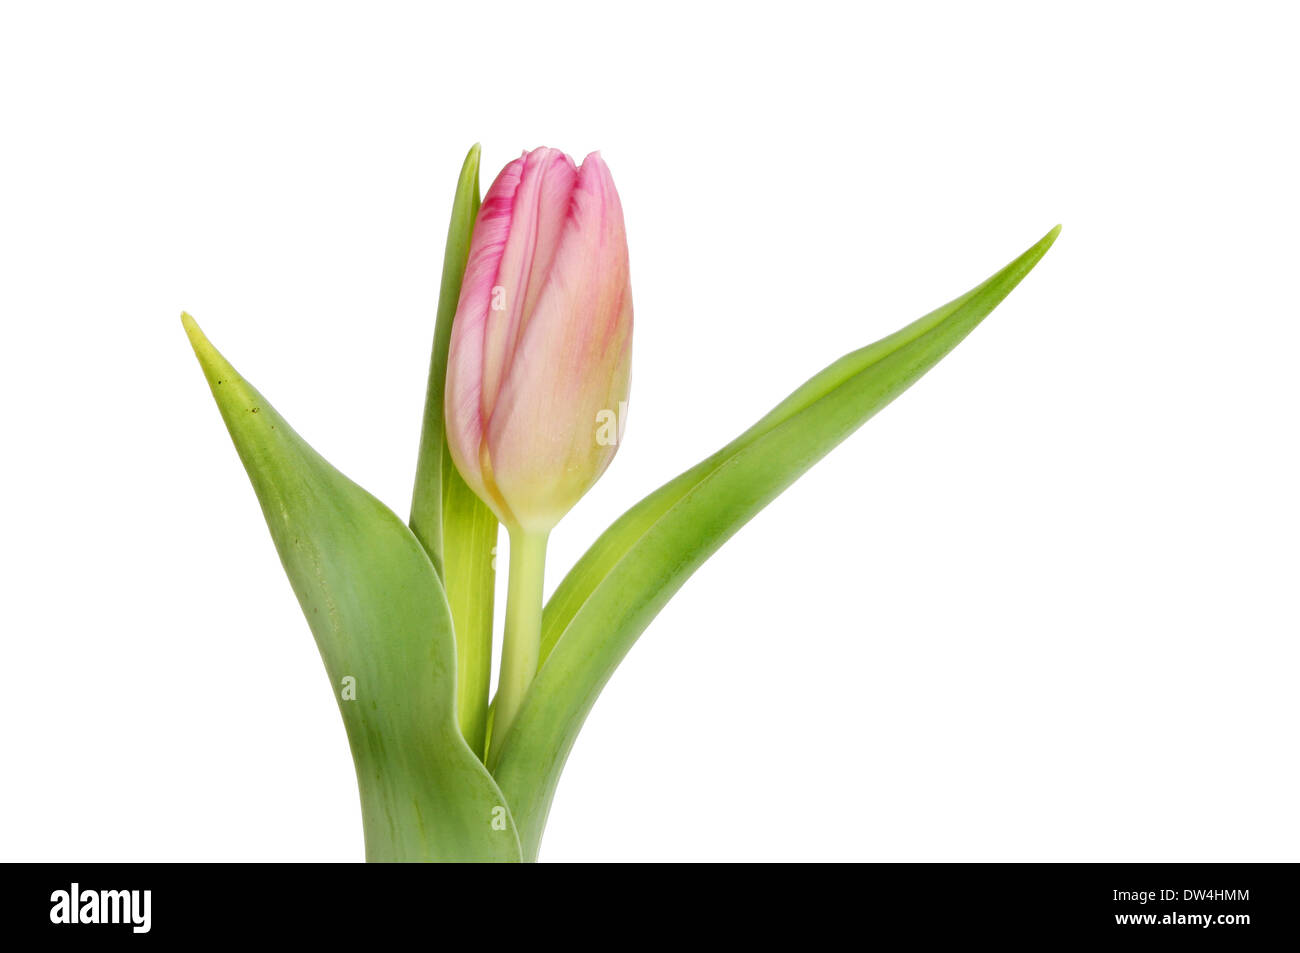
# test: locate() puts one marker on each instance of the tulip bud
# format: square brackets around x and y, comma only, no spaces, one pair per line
[537,373]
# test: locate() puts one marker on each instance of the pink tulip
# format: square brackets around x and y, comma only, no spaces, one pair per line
[537,375]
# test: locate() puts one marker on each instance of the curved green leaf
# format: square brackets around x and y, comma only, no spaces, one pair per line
[631,571]
[453,525]
[381,622]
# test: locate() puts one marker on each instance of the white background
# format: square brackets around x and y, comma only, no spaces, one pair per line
[1043,607]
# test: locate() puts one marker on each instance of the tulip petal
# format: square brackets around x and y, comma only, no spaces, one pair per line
[572,361]
[539,210]
[464,388]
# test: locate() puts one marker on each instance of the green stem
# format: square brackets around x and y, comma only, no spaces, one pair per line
[523,633]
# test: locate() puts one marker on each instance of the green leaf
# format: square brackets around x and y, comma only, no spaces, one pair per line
[381,622]
[453,525]
[632,570]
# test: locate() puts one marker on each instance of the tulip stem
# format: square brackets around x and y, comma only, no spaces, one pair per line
[523,634]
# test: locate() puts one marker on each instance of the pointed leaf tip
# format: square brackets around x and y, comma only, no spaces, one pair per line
[191,326]
[215,367]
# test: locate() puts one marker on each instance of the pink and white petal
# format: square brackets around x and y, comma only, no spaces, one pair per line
[463,394]
[537,214]
[572,360]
